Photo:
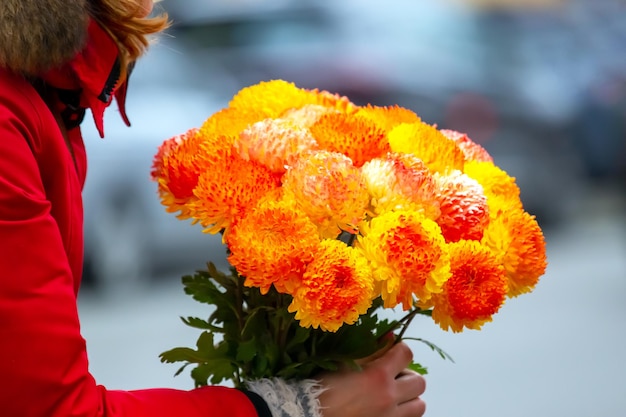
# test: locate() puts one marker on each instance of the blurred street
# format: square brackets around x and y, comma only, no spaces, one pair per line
[557,352]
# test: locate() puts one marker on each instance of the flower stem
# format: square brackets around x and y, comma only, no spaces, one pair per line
[405,321]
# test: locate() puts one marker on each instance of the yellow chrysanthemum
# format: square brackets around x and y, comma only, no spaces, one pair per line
[329,189]
[516,238]
[500,189]
[272,244]
[356,137]
[274,143]
[401,182]
[408,255]
[270,98]
[226,125]
[228,186]
[472,150]
[475,291]
[176,168]
[463,205]
[388,117]
[336,288]
[426,142]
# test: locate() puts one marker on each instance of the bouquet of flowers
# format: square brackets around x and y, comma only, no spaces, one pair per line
[331,213]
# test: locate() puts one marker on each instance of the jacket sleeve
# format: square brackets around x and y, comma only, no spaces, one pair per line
[43,359]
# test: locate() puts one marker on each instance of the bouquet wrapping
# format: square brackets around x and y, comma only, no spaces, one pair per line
[333,212]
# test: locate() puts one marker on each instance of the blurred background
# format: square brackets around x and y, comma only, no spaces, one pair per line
[541,84]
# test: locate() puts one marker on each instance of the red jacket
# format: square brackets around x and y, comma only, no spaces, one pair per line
[43,360]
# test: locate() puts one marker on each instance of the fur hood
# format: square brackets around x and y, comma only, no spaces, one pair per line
[38,35]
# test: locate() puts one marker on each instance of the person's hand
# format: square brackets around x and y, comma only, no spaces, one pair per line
[384,388]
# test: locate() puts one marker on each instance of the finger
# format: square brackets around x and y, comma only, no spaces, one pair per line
[396,359]
[413,408]
[409,385]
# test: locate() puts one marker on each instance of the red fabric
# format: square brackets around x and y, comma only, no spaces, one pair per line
[43,359]
[89,71]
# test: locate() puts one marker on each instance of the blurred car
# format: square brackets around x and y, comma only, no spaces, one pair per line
[129,237]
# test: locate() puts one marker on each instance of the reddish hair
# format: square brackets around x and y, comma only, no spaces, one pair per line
[124,21]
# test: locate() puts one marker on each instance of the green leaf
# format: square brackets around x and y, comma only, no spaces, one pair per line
[301,334]
[181,369]
[434,347]
[202,288]
[414,366]
[205,342]
[328,365]
[198,323]
[254,322]
[246,351]
[260,367]
[181,354]
[214,371]
[212,269]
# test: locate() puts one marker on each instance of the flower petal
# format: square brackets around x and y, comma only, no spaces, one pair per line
[471,150]
[401,182]
[330,189]
[515,236]
[408,255]
[228,187]
[336,288]
[475,291]
[272,244]
[388,117]
[274,143]
[438,152]
[356,137]
[463,206]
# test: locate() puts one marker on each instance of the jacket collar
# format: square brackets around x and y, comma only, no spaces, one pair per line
[94,73]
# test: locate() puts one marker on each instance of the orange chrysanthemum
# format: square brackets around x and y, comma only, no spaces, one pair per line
[333,101]
[463,205]
[228,187]
[272,245]
[475,291]
[158,169]
[307,115]
[401,182]
[356,137]
[500,189]
[408,255]
[274,143]
[336,288]
[329,189]
[176,168]
[517,240]
[388,117]
[471,150]
[438,152]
